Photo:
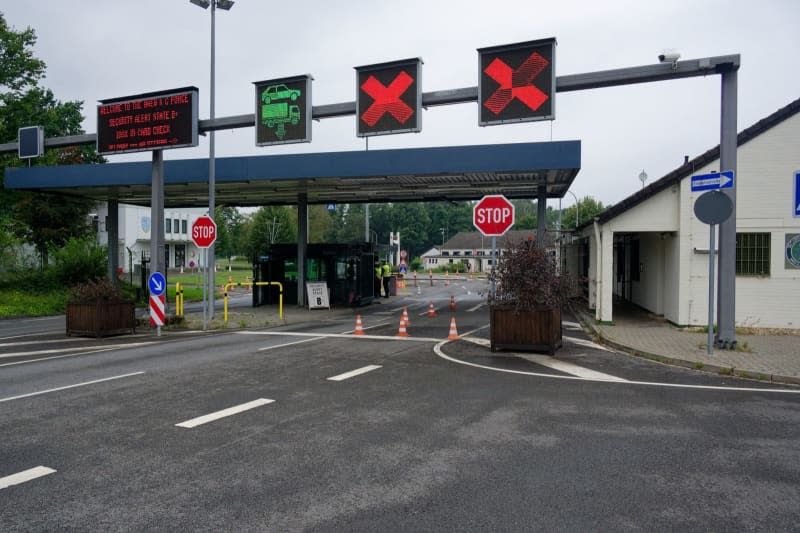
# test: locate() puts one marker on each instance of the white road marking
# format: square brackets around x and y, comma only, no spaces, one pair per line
[39,359]
[472,309]
[571,325]
[353,373]
[69,387]
[315,338]
[438,351]
[25,475]
[569,368]
[77,349]
[339,336]
[25,343]
[200,420]
[555,364]
[587,344]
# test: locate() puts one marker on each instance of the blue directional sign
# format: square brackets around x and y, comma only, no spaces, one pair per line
[796,203]
[157,284]
[710,182]
[331,208]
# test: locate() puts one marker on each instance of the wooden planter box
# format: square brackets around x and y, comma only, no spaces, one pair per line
[101,318]
[536,330]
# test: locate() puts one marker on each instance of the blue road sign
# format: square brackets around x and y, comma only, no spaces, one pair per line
[796,203]
[331,208]
[157,284]
[710,182]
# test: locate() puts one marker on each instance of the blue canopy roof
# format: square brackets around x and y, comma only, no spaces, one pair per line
[415,174]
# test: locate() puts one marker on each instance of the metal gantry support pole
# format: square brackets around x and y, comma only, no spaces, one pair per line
[212,170]
[726,283]
[541,213]
[157,213]
[112,227]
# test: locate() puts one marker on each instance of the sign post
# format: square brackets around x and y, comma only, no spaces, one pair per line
[204,234]
[158,286]
[493,215]
[712,208]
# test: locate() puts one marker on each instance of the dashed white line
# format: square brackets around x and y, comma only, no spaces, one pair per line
[25,475]
[200,420]
[69,387]
[77,349]
[353,373]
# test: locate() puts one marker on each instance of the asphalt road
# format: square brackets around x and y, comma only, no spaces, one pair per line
[427,436]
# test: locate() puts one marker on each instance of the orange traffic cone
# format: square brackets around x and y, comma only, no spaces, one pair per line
[452,303]
[431,310]
[405,316]
[402,331]
[453,336]
[359,328]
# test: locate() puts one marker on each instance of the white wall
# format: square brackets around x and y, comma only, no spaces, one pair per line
[764,184]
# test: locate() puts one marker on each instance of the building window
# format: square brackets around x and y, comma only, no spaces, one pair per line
[168,225]
[183,227]
[445,254]
[752,254]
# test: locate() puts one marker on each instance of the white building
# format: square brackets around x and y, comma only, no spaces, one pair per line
[134,236]
[472,249]
[653,251]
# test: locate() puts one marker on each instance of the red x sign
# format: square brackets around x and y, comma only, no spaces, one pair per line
[516,83]
[387,99]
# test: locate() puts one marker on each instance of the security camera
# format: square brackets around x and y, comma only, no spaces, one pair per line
[669,57]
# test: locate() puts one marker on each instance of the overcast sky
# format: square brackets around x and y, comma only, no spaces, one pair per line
[98,49]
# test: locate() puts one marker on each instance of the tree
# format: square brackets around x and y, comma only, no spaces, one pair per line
[274,224]
[230,230]
[43,220]
[584,211]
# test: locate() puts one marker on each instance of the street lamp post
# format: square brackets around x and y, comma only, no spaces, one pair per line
[225,5]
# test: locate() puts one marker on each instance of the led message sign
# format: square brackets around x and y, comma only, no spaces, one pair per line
[151,121]
[283,111]
[517,82]
[389,97]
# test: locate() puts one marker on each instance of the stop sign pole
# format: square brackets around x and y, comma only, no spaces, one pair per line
[493,215]
[204,234]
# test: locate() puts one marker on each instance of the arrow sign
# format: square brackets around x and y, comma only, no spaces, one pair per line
[157,283]
[710,182]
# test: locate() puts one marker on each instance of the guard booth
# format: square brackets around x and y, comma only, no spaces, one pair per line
[348,270]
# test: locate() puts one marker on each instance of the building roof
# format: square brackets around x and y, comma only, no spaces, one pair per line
[690,167]
[474,240]
[415,175]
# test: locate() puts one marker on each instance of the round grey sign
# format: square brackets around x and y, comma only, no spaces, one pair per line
[713,207]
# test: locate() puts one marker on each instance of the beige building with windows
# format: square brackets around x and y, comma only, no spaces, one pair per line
[651,250]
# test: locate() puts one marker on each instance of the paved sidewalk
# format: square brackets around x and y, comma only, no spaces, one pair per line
[766,357]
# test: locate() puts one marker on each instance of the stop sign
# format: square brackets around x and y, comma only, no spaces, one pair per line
[493,215]
[204,232]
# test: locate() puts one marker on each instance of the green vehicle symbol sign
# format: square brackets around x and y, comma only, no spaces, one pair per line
[276,111]
[279,92]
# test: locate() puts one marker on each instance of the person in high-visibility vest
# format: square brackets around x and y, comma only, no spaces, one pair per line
[386,274]
[377,284]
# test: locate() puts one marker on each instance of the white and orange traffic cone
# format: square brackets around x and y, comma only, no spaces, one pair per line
[359,328]
[402,331]
[453,336]
[431,310]
[452,303]
[405,316]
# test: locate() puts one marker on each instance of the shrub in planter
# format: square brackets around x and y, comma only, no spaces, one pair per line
[525,313]
[96,308]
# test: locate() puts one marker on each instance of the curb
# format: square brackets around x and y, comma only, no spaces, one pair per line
[731,371]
